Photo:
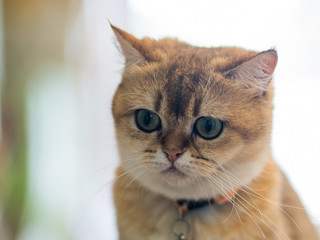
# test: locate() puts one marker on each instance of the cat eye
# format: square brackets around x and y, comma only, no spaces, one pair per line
[147,121]
[208,127]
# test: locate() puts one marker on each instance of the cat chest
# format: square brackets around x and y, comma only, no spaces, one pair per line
[203,224]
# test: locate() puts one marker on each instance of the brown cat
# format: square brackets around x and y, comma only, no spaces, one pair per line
[193,129]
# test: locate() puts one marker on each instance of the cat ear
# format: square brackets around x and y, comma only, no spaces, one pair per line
[129,46]
[257,72]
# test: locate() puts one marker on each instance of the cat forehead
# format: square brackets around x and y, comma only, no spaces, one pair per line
[196,58]
[183,93]
[187,80]
[176,90]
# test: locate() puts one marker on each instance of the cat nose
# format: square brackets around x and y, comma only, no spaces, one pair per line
[173,154]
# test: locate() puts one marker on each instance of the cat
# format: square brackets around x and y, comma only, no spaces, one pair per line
[193,130]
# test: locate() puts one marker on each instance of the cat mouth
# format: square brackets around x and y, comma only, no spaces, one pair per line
[173,171]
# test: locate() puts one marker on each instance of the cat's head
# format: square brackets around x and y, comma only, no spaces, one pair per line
[191,120]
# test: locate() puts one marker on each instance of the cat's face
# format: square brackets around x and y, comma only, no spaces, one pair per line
[186,119]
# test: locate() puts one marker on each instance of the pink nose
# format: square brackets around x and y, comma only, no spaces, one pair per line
[173,154]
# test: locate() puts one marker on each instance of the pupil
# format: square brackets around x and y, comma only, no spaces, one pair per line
[147,118]
[208,125]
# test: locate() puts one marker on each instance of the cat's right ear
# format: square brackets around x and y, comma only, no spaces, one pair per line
[256,73]
[130,46]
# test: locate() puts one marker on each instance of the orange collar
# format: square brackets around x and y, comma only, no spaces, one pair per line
[184,205]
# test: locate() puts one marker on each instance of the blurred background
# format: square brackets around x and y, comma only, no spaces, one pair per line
[59,69]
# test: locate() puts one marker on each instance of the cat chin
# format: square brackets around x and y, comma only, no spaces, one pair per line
[180,188]
[200,189]
[176,186]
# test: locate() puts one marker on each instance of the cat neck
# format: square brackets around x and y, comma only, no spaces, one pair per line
[187,205]
[144,201]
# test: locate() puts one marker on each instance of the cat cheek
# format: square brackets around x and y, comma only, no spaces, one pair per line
[220,150]
[160,157]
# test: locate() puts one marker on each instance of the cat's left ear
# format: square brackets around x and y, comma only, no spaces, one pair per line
[130,46]
[256,73]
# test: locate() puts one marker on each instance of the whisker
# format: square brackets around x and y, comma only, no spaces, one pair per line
[132,180]
[263,216]
[259,196]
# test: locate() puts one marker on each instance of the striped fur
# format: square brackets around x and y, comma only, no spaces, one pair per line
[181,83]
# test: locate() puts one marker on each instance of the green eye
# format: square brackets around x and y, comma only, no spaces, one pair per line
[208,127]
[147,121]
